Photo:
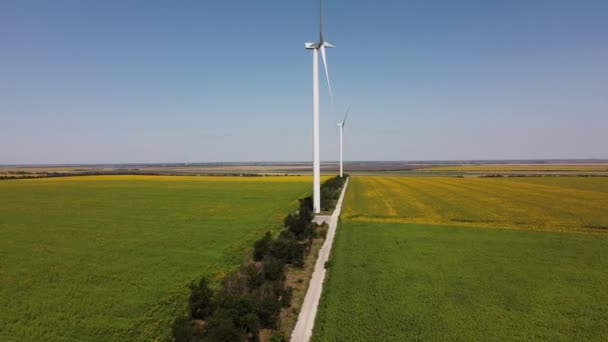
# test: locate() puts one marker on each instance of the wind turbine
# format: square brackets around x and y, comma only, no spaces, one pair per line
[316,165]
[341,128]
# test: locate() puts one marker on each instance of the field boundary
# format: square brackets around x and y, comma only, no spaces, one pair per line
[306,319]
[588,229]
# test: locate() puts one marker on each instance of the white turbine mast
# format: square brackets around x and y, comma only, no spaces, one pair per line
[341,128]
[316,167]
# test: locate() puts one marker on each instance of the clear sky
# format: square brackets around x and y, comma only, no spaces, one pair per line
[227,80]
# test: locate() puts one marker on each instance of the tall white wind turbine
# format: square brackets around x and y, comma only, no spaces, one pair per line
[316,167]
[341,128]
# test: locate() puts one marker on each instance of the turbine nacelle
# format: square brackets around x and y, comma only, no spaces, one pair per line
[341,129]
[316,46]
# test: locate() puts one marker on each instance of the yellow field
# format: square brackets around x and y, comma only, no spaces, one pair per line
[519,167]
[547,203]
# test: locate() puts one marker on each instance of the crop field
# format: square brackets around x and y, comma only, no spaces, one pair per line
[421,259]
[109,257]
[521,167]
[543,203]
[577,183]
[405,282]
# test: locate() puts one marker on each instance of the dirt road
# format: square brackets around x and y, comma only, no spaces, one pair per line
[306,320]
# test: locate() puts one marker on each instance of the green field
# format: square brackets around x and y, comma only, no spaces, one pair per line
[393,278]
[109,257]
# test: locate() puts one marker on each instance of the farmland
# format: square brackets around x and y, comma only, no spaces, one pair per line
[109,257]
[399,282]
[522,167]
[543,203]
[422,259]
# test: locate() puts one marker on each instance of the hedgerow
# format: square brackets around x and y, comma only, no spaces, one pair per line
[251,298]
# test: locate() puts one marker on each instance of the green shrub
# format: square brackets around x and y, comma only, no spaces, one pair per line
[278,336]
[221,327]
[254,274]
[268,309]
[320,231]
[184,330]
[330,192]
[289,250]
[272,268]
[200,300]
[286,295]
[261,246]
[250,322]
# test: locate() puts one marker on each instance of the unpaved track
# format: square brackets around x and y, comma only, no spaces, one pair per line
[306,320]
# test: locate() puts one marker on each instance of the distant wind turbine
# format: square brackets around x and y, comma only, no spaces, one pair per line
[316,167]
[341,128]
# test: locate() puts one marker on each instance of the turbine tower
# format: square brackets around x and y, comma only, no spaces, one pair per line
[316,165]
[341,128]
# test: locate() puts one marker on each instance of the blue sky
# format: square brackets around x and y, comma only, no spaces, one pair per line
[208,81]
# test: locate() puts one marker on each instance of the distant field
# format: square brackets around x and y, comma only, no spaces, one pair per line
[404,282]
[577,183]
[39,169]
[419,259]
[521,167]
[108,257]
[547,203]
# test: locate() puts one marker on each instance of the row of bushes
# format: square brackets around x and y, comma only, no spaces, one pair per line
[251,298]
[330,192]
[29,175]
[51,174]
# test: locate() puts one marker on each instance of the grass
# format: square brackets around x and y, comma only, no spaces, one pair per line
[577,183]
[421,259]
[405,282]
[109,257]
[547,203]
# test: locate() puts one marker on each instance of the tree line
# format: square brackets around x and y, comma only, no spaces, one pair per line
[251,297]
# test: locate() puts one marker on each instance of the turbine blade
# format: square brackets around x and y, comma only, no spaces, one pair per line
[321,22]
[331,96]
[345,116]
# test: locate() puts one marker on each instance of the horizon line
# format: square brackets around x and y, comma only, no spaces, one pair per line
[279,162]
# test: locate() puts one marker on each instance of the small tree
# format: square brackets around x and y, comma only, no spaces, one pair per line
[288,250]
[221,327]
[260,247]
[286,295]
[184,330]
[268,309]
[200,300]
[273,268]
[255,275]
